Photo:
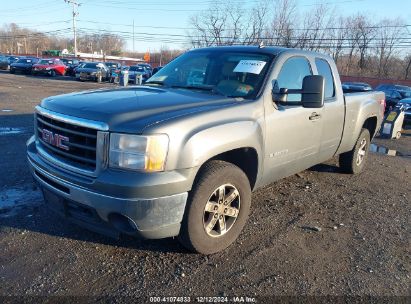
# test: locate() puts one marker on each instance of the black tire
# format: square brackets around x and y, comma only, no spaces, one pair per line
[53,73]
[12,71]
[349,161]
[193,233]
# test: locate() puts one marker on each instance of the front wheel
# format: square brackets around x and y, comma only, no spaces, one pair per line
[354,161]
[217,208]
[53,73]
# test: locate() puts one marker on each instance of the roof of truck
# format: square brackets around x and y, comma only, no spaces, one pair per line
[274,50]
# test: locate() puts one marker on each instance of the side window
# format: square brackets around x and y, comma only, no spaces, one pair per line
[292,74]
[324,70]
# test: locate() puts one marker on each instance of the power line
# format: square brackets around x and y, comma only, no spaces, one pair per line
[75,6]
[405,26]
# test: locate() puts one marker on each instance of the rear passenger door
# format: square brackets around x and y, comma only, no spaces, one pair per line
[333,112]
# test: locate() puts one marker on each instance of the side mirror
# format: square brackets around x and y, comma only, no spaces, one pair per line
[313,91]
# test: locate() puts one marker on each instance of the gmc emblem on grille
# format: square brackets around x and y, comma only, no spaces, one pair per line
[55,139]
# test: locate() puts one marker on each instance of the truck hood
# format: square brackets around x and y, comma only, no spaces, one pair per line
[130,110]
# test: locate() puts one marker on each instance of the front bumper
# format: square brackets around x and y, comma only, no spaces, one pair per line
[41,71]
[79,200]
[21,69]
[87,77]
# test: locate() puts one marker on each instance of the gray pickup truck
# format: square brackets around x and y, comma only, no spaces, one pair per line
[180,155]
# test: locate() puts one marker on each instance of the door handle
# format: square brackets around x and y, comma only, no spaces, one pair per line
[314,116]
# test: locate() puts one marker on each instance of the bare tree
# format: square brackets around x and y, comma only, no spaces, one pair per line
[314,34]
[388,37]
[255,27]
[338,36]
[212,27]
[407,61]
[281,28]
[366,35]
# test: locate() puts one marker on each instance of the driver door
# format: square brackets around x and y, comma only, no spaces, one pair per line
[292,132]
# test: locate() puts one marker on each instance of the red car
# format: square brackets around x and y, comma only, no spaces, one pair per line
[51,67]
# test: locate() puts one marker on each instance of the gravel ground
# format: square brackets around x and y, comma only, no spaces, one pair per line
[317,233]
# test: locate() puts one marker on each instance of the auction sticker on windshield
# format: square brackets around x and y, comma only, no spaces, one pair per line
[250,66]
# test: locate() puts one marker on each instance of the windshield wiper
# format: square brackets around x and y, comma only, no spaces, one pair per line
[212,89]
[191,87]
[155,82]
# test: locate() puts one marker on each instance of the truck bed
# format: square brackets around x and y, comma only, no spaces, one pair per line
[359,107]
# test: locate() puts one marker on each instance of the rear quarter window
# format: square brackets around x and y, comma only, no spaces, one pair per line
[324,70]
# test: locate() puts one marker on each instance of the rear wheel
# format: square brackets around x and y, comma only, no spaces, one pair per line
[217,208]
[53,73]
[354,161]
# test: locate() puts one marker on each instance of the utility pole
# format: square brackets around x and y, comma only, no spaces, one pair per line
[133,36]
[75,6]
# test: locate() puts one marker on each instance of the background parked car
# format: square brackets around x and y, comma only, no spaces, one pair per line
[148,68]
[113,65]
[7,61]
[115,69]
[356,87]
[23,65]
[138,70]
[156,69]
[392,97]
[96,71]
[389,86]
[71,64]
[80,64]
[406,104]
[393,94]
[51,67]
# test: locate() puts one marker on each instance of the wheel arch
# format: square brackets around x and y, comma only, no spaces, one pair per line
[246,158]
[371,125]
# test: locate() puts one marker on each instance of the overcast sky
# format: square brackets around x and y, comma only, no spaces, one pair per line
[155,19]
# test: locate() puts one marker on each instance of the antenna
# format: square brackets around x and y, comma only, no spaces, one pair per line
[75,6]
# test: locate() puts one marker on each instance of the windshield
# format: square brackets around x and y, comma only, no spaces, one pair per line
[25,61]
[111,64]
[405,94]
[234,74]
[90,65]
[401,87]
[137,68]
[47,62]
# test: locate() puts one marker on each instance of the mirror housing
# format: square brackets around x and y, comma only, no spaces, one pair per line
[312,92]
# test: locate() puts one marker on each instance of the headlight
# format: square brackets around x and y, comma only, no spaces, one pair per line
[135,152]
[93,73]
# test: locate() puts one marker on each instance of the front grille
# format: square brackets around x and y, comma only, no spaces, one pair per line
[82,142]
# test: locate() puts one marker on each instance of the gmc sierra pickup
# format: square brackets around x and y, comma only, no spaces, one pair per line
[180,155]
